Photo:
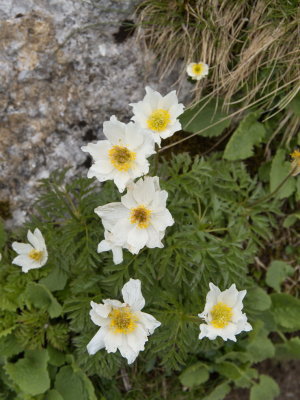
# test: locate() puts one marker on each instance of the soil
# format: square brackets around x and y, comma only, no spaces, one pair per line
[286,374]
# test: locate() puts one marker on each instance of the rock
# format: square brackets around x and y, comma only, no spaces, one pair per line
[59,81]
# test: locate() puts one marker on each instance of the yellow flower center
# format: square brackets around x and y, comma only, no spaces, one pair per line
[35,254]
[141,216]
[122,320]
[121,158]
[198,69]
[221,315]
[159,120]
[296,156]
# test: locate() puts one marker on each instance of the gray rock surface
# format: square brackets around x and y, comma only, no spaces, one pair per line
[65,68]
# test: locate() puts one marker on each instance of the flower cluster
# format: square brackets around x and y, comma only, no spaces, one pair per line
[141,218]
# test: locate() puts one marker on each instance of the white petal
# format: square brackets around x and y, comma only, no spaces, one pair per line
[97,319]
[117,255]
[171,129]
[121,179]
[154,238]
[229,296]
[167,101]
[22,248]
[134,136]
[33,240]
[176,110]
[149,322]
[132,294]
[137,339]
[112,341]
[103,246]
[103,167]
[23,261]
[162,220]
[97,150]
[121,230]
[128,200]
[96,343]
[137,237]
[38,234]
[159,201]
[127,352]
[143,191]
[102,310]
[114,130]
[112,212]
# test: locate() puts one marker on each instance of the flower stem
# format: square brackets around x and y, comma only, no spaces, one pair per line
[268,196]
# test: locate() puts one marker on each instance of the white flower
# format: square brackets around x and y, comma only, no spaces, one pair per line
[197,71]
[223,314]
[123,156]
[123,326]
[141,218]
[31,256]
[158,114]
[110,244]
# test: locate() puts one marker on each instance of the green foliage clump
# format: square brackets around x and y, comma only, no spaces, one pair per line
[221,227]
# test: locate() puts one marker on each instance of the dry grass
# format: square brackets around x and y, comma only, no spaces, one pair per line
[252,46]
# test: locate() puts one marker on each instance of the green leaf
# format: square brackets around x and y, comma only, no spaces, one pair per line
[219,392]
[40,297]
[290,350]
[266,389]
[260,347]
[291,219]
[257,299]
[56,280]
[286,310]
[195,119]
[229,370]
[294,105]
[194,375]
[279,171]
[249,133]
[30,373]
[56,357]
[245,381]
[9,346]
[277,272]
[53,395]
[74,385]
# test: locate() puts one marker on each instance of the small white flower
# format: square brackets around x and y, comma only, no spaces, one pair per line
[141,218]
[123,326]
[158,114]
[0,256]
[223,314]
[31,256]
[197,71]
[123,156]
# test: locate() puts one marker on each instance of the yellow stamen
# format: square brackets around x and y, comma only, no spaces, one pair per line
[121,157]
[159,120]
[198,69]
[35,254]
[122,320]
[221,315]
[296,156]
[141,216]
